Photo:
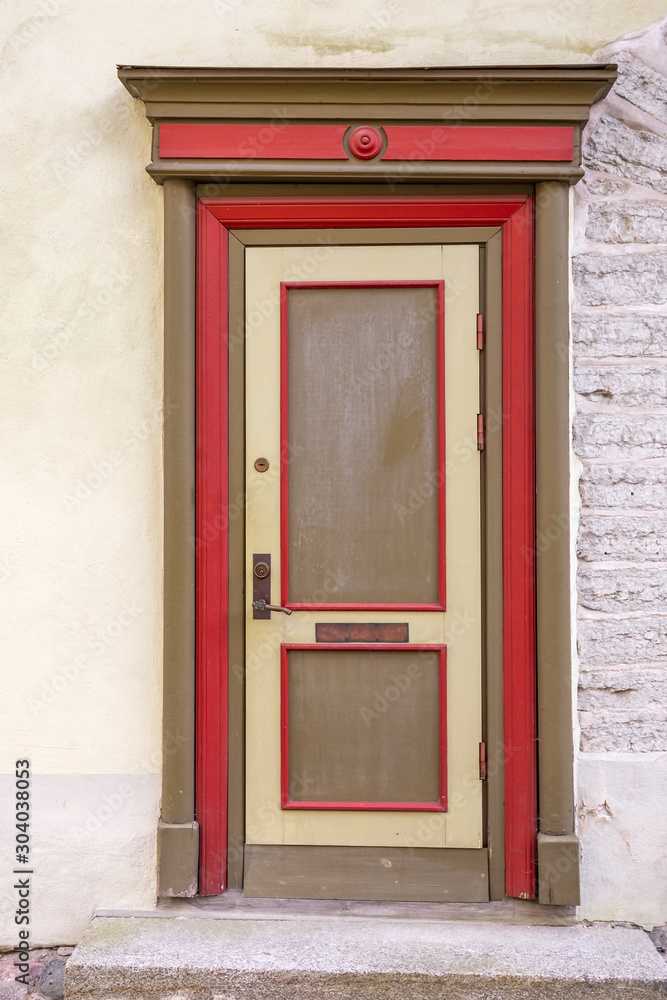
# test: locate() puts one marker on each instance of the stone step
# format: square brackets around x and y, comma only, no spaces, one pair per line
[348,957]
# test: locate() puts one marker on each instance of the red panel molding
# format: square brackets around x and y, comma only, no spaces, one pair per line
[275,141]
[515,214]
[278,141]
[470,142]
[287,803]
[285,450]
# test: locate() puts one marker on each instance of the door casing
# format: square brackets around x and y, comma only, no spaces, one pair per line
[507,392]
[426,99]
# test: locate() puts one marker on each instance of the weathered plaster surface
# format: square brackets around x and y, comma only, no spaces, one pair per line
[624,863]
[311,33]
[620,436]
[93,842]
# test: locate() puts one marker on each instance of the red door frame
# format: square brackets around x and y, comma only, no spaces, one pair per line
[215,216]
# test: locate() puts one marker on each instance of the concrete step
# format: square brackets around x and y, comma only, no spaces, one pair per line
[346,957]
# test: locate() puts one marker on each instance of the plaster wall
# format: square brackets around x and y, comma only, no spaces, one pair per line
[81,418]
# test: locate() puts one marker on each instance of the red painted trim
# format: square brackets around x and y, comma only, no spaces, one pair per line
[412,143]
[287,803]
[212,553]
[518,475]
[518,538]
[408,283]
[359,212]
[295,606]
[284,725]
[500,143]
[275,141]
[285,287]
[284,443]
[442,446]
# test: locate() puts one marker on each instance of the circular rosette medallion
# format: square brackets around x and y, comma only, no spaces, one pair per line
[365,142]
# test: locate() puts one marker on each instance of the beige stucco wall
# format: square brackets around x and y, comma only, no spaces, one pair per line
[80,385]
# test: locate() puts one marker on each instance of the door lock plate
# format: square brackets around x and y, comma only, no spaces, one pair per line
[261,584]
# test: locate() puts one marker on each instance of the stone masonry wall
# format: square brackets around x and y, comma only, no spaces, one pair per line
[619,324]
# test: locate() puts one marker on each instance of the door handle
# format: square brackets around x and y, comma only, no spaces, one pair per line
[263,606]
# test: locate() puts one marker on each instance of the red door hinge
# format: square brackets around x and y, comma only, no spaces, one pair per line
[480,432]
[480,332]
[482,762]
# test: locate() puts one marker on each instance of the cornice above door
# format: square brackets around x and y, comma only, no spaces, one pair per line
[489,123]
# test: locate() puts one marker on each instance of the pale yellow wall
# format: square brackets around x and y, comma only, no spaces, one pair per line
[80,381]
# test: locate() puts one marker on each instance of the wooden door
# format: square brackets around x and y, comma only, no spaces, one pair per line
[363,711]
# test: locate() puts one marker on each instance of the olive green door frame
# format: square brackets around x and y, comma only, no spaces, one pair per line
[560,95]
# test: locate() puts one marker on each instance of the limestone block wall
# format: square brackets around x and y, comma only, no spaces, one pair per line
[619,327]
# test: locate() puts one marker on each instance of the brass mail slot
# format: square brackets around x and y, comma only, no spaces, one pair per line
[361,632]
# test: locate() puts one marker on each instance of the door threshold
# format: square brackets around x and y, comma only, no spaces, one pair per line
[233,904]
[317,958]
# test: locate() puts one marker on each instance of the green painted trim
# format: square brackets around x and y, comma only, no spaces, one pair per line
[414,874]
[394,173]
[552,544]
[178,858]
[558,869]
[492,549]
[178,739]
[513,93]
[357,237]
[236,411]
[263,189]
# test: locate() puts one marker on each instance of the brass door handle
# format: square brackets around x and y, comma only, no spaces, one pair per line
[263,606]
